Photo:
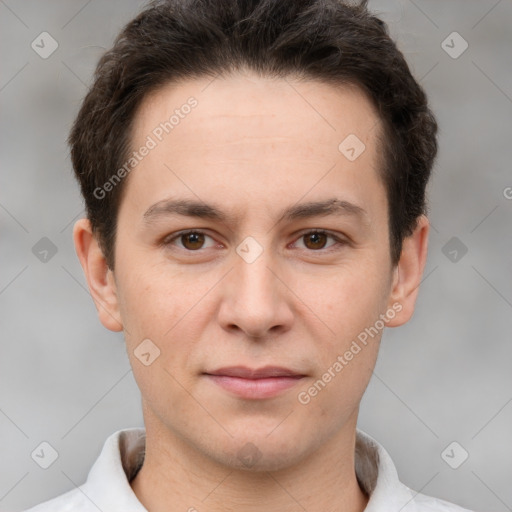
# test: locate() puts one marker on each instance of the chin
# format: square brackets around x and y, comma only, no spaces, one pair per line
[262,458]
[258,451]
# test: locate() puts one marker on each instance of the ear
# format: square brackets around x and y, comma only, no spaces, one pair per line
[408,272]
[99,277]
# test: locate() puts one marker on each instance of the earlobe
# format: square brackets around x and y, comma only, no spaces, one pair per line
[100,278]
[408,273]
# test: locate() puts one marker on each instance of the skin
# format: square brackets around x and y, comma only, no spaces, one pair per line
[252,146]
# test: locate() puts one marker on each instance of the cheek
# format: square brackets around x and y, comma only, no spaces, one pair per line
[160,303]
[348,300]
[156,313]
[146,288]
[347,351]
[335,393]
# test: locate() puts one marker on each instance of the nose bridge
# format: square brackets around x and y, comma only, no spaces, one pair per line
[254,281]
[255,302]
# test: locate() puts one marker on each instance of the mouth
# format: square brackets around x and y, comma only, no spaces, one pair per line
[257,383]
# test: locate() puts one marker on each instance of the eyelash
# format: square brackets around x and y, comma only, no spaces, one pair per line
[339,241]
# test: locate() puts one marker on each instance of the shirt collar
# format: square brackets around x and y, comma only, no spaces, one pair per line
[108,482]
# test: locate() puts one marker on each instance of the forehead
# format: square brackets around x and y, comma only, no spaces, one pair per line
[279,107]
[246,132]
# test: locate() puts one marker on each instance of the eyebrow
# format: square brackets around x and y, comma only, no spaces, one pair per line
[201,210]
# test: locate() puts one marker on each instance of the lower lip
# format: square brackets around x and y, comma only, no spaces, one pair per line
[255,388]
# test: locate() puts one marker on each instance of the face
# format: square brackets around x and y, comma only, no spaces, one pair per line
[252,251]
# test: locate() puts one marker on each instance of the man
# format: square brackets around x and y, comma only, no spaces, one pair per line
[254,175]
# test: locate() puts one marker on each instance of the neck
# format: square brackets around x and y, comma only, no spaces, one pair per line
[177,477]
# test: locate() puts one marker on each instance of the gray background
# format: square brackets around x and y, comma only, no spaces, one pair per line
[446,376]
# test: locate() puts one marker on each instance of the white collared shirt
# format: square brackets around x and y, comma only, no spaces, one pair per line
[108,484]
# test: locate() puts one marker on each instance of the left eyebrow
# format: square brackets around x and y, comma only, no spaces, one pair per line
[333,206]
[198,209]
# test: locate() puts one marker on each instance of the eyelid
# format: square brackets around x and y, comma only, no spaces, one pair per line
[339,239]
[168,239]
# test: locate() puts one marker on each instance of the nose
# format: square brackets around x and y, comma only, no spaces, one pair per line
[256,299]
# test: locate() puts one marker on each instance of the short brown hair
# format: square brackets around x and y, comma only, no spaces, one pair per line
[325,40]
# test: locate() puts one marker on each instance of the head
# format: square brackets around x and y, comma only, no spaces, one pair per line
[305,145]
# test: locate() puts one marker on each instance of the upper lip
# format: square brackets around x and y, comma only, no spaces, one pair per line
[244,372]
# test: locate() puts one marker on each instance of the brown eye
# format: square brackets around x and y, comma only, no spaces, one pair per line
[315,240]
[192,241]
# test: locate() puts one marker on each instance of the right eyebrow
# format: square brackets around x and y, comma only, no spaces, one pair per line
[198,209]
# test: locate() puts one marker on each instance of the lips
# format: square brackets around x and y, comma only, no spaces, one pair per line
[254,383]
[243,372]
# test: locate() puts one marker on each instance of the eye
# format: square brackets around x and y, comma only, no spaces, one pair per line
[316,240]
[192,240]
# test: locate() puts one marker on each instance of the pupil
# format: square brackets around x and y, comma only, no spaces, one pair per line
[315,238]
[197,238]
[194,239]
